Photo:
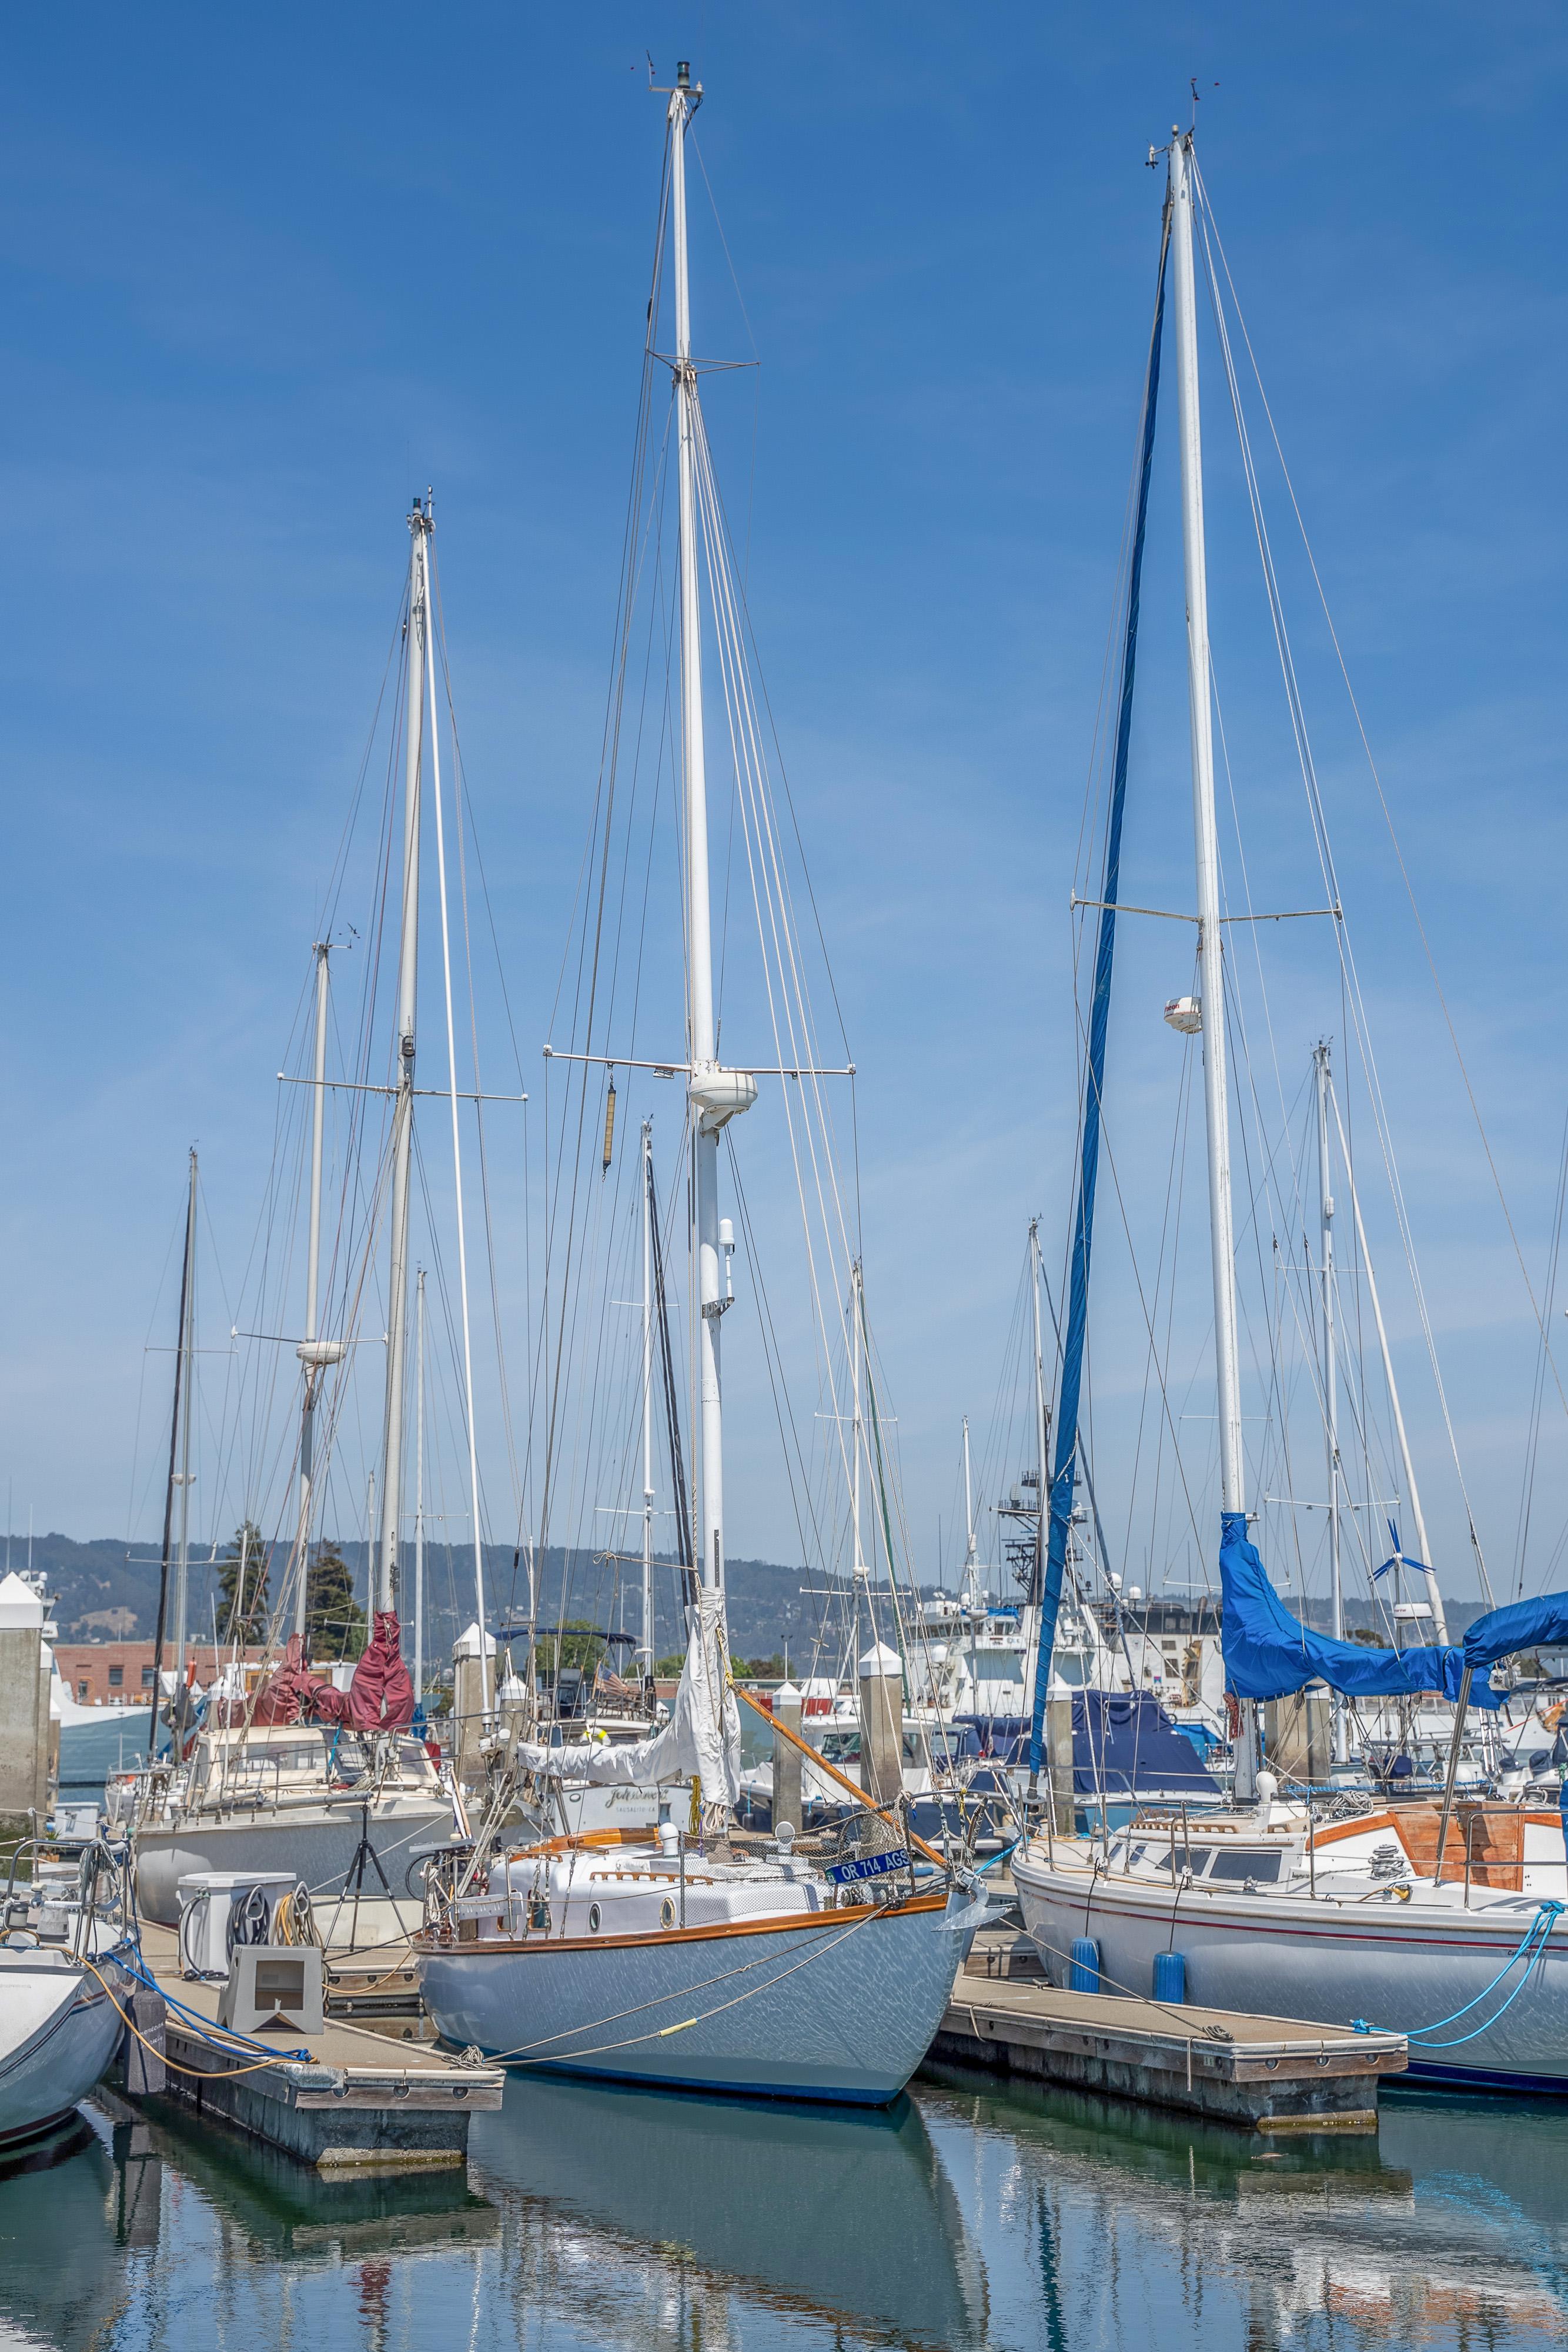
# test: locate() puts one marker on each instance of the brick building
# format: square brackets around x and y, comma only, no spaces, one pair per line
[120,1673]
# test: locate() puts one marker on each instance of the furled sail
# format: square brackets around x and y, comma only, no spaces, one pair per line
[701,1740]
[1268,1653]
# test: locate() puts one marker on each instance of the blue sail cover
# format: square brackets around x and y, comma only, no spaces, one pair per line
[1123,1744]
[1268,1653]
[1539,1624]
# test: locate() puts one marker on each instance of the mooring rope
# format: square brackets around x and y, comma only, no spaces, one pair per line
[1537,1934]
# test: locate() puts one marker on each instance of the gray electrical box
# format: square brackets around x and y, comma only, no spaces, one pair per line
[273,1987]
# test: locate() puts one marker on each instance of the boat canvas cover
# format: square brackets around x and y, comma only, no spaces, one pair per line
[701,1740]
[1268,1653]
[1125,1743]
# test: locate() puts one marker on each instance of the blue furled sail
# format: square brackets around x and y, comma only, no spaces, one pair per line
[1268,1653]
[1064,1474]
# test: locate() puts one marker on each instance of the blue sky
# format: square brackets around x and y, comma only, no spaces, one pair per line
[264,276]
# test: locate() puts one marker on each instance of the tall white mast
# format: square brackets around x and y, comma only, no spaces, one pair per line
[1412,1489]
[645,1650]
[385,1591]
[184,1475]
[1211,966]
[971,1558]
[457,1155]
[716,1095]
[861,1570]
[321,951]
[315,1355]
[1331,1367]
[419,1488]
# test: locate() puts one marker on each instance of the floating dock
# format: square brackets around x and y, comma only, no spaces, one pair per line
[1265,2073]
[357,2101]
[358,1986]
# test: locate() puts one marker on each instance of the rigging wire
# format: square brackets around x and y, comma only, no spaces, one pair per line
[1212,245]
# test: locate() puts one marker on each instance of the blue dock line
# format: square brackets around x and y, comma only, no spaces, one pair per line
[1536,1934]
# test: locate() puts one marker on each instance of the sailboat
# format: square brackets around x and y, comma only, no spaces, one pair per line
[67,1962]
[678,1956]
[291,1775]
[1449,1925]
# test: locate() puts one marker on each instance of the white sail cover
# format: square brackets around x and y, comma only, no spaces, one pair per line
[701,1740]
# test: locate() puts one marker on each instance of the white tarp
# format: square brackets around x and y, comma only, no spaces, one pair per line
[702,1738]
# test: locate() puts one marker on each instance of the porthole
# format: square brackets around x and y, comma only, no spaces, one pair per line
[594,1917]
[666,1913]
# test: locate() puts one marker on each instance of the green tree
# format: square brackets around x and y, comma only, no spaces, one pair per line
[334,1622]
[581,1645]
[243,1583]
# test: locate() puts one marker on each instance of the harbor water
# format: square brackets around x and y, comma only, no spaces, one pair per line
[971,2214]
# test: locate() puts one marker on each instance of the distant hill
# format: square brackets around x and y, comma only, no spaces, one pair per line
[106,1591]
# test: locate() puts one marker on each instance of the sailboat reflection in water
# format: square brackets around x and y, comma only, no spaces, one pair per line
[844,2217]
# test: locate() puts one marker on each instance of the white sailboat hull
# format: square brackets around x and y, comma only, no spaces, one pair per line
[58,2031]
[836,2005]
[315,1844]
[1403,1967]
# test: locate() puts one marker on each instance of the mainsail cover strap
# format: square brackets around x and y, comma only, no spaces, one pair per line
[702,1738]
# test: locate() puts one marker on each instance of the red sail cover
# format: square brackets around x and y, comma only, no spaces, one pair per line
[329,1704]
[380,1697]
[286,1695]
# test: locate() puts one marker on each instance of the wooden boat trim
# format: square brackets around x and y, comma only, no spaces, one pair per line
[1389,1820]
[586,1842]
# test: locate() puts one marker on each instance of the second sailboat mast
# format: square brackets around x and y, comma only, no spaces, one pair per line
[1211,967]
[715,1094]
[420,525]
[1210,952]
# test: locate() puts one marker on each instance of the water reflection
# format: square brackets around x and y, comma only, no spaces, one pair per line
[60,2267]
[824,2213]
[971,2215]
[1449,2226]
